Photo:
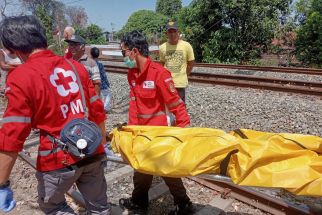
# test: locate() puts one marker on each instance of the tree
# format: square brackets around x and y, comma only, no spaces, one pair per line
[147,22]
[231,31]
[3,7]
[76,16]
[46,21]
[168,7]
[54,9]
[93,34]
[10,5]
[309,39]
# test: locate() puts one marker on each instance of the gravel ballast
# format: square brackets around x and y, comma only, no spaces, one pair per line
[220,107]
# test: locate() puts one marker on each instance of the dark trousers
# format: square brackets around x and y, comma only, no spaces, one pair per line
[182,93]
[142,183]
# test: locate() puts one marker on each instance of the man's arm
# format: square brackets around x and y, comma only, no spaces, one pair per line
[96,78]
[162,56]
[103,131]
[7,160]
[97,86]
[172,99]
[190,65]
[5,66]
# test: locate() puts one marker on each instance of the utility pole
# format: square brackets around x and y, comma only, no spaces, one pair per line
[112,33]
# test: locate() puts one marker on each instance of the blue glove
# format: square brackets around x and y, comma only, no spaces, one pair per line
[108,150]
[7,203]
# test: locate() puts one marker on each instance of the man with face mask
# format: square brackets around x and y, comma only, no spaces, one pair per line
[178,57]
[152,96]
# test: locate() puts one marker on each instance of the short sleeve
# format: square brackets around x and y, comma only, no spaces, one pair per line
[190,55]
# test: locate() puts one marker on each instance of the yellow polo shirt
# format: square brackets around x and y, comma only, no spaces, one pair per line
[175,58]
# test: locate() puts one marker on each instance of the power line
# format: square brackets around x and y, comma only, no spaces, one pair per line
[219,21]
[72,2]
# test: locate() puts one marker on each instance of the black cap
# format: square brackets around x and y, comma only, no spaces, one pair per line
[76,39]
[171,25]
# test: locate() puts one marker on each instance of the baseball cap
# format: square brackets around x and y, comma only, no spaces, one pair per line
[76,39]
[171,25]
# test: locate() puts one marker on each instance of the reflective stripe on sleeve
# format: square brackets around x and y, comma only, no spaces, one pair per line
[167,80]
[174,104]
[20,119]
[147,116]
[94,98]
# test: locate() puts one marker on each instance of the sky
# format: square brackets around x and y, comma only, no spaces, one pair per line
[108,13]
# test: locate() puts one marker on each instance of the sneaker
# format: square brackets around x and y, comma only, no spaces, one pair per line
[131,206]
[185,209]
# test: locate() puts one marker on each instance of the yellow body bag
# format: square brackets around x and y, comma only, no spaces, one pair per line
[249,158]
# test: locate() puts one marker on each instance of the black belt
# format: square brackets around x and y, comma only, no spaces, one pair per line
[81,163]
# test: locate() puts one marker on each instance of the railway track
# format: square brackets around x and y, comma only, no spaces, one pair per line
[249,81]
[220,184]
[294,70]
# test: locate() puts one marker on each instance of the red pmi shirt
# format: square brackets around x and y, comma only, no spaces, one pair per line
[43,93]
[153,95]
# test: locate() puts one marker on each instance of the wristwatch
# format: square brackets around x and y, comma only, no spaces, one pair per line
[5,184]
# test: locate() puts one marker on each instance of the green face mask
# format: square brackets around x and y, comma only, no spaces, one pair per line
[129,63]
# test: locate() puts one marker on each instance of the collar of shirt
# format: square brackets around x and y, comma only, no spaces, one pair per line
[135,71]
[43,53]
[83,58]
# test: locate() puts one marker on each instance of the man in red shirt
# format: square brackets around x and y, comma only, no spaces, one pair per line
[152,97]
[45,93]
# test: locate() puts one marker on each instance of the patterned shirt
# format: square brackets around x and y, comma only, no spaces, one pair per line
[91,67]
[105,84]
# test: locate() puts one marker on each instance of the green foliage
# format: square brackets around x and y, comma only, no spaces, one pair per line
[302,10]
[309,39]
[231,31]
[53,8]
[46,21]
[168,7]
[93,34]
[147,22]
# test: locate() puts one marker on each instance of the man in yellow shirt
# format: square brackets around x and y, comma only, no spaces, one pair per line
[178,57]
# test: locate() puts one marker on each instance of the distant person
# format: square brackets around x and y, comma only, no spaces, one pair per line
[8,61]
[178,57]
[49,93]
[152,95]
[105,85]
[68,33]
[76,45]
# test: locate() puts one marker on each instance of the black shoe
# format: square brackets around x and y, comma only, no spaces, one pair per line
[130,205]
[183,209]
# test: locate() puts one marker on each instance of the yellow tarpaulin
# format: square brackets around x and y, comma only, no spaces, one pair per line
[250,158]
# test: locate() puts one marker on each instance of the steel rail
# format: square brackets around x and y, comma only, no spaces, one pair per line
[294,70]
[274,84]
[251,197]
[262,86]
[259,79]
[297,70]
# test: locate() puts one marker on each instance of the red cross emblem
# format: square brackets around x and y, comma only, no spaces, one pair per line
[64,81]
